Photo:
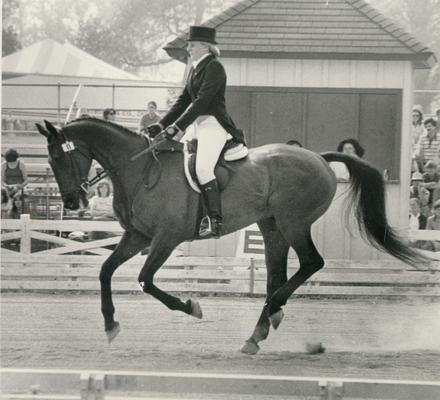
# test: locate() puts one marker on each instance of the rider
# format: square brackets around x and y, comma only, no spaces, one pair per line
[202,104]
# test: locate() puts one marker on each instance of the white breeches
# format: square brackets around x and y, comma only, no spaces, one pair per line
[211,138]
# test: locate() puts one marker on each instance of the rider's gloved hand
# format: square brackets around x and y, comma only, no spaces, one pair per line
[172,131]
[154,129]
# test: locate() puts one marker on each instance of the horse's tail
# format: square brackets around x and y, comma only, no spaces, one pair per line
[367,199]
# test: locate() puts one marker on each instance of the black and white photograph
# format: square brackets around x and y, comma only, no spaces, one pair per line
[220,200]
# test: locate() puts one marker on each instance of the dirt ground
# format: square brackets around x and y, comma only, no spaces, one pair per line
[363,338]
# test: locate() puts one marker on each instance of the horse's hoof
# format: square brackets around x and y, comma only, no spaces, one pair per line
[196,310]
[276,318]
[112,333]
[250,347]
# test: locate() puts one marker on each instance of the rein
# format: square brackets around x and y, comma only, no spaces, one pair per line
[68,147]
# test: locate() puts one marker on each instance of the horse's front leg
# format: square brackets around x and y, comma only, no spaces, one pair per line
[159,252]
[131,243]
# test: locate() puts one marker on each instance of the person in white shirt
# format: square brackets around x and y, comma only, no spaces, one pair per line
[101,205]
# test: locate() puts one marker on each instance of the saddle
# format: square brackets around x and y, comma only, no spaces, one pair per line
[232,151]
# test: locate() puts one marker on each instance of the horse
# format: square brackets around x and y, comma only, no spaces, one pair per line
[284,189]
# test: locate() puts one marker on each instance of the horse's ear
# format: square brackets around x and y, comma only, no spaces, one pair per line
[43,131]
[51,128]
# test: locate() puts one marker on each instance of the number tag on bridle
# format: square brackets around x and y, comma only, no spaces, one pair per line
[68,146]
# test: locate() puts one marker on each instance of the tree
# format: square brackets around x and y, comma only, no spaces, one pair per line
[10,38]
[128,34]
[133,34]
[421,22]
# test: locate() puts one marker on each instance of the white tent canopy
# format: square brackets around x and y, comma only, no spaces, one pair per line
[49,57]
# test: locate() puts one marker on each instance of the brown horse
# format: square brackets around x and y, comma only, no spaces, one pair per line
[282,188]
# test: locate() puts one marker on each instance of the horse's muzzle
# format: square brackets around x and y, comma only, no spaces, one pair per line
[71,202]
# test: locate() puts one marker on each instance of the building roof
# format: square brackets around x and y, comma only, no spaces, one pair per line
[49,57]
[309,29]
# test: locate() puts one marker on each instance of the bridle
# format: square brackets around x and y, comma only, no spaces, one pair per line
[82,183]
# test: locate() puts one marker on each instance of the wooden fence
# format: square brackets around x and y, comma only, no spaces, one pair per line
[99,385]
[73,265]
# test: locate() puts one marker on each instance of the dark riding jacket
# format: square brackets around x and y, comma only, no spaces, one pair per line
[204,94]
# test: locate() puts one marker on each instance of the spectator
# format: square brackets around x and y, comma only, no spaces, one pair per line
[6,204]
[101,209]
[429,143]
[151,117]
[101,205]
[417,221]
[417,191]
[433,224]
[430,179]
[294,142]
[109,114]
[418,130]
[14,175]
[347,146]
[17,205]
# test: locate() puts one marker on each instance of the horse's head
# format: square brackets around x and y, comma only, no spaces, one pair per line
[70,162]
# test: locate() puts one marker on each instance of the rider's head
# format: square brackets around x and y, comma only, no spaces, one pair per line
[201,41]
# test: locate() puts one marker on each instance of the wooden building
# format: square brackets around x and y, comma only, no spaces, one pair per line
[321,71]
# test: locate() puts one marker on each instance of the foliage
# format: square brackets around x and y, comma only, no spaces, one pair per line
[126,33]
[422,20]
[10,40]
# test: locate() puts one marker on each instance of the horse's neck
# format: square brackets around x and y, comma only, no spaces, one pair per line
[110,148]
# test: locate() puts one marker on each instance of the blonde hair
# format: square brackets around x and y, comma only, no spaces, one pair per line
[214,49]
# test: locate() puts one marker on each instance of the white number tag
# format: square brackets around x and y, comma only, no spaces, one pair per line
[68,146]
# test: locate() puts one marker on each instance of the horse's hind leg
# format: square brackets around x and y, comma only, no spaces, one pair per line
[310,262]
[159,252]
[276,251]
[131,243]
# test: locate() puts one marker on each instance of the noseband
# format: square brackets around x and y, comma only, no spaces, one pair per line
[81,182]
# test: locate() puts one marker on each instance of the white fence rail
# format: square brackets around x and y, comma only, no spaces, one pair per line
[74,266]
[100,385]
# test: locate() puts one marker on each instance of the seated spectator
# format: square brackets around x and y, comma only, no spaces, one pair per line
[14,174]
[431,179]
[429,143]
[416,189]
[151,117]
[17,205]
[433,223]
[416,219]
[109,114]
[101,205]
[347,146]
[6,204]
[294,142]
[101,209]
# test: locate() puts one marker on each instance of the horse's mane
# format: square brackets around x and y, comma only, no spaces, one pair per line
[103,122]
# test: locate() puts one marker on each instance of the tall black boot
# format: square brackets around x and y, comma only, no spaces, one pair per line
[211,224]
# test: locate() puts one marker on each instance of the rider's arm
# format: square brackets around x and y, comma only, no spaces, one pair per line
[215,78]
[183,101]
